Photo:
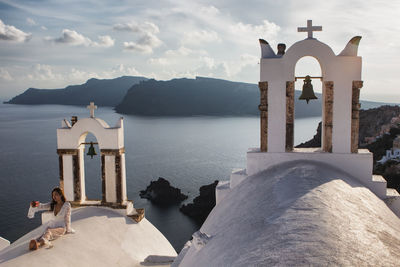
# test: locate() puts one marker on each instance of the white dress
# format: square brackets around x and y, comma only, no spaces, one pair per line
[61,220]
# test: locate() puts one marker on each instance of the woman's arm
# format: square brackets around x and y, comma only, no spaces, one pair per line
[44,206]
[67,218]
[41,206]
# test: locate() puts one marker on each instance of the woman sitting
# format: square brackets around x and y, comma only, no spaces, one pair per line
[60,223]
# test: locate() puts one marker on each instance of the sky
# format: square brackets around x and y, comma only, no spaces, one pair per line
[52,44]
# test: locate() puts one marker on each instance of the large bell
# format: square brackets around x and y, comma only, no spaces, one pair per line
[308,92]
[91,151]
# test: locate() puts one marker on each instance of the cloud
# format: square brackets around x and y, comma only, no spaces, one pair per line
[30,22]
[5,75]
[73,38]
[209,10]
[104,41]
[42,72]
[145,27]
[199,37]
[247,59]
[10,33]
[145,44]
[159,61]
[249,32]
[121,69]
[146,31]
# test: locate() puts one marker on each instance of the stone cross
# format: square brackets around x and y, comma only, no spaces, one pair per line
[309,29]
[92,107]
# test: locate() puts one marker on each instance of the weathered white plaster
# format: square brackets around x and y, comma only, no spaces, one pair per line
[222,189]
[107,137]
[237,176]
[82,172]
[358,165]
[3,243]
[111,193]
[298,213]
[103,237]
[68,177]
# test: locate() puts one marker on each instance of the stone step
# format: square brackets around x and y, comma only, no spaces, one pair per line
[237,176]
[378,185]
[222,189]
[378,178]
[3,243]
[393,200]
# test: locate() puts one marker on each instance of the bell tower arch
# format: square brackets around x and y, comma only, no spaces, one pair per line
[71,149]
[339,73]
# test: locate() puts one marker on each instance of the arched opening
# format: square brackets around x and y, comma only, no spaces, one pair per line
[307,116]
[92,168]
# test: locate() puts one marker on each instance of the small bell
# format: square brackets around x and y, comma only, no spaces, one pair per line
[91,151]
[308,92]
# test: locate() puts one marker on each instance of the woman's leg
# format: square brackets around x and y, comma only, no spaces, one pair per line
[50,234]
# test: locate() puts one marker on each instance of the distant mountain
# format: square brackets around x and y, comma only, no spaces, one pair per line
[205,96]
[104,92]
[177,97]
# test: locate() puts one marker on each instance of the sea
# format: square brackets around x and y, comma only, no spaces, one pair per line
[187,151]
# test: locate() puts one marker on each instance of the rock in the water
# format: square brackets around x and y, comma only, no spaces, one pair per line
[202,205]
[162,193]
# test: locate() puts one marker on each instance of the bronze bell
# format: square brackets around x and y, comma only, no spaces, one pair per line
[308,92]
[91,151]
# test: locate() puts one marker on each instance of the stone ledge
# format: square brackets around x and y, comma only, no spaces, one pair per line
[138,216]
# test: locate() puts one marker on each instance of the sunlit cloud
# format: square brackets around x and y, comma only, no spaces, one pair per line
[147,36]
[71,37]
[10,33]
[248,33]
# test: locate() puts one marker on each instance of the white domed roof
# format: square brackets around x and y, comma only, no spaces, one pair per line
[297,213]
[103,238]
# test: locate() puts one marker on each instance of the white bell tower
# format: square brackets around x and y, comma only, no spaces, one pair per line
[71,149]
[341,80]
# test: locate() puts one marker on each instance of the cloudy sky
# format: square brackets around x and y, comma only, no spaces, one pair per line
[52,44]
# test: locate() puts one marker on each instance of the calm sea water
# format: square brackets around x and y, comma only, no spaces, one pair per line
[189,152]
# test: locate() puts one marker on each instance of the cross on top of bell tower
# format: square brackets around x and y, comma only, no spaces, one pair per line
[91,107]
[309,29]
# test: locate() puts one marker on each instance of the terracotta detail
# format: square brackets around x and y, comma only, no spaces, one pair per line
[77,178]
[61,171]
[138,216]
[355,115]
[263,107]
[112,152]
[118,177]
[76,204]
[103,179]
[328,117]
[289,116]
[67,151]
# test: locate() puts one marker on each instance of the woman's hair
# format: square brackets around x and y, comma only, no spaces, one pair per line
[53,202]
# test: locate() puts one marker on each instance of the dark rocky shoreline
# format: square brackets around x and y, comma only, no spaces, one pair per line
[160,192]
